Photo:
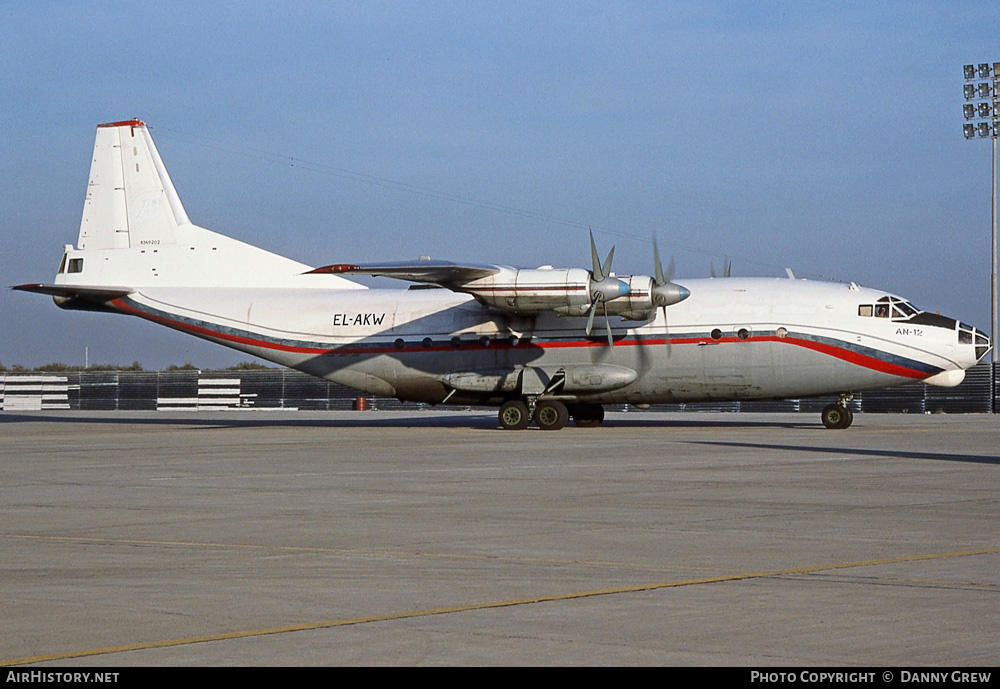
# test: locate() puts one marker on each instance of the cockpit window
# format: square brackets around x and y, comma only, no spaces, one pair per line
[888,307]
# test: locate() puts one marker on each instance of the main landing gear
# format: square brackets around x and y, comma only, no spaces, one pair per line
[838,415]
[514,415]
[548,415]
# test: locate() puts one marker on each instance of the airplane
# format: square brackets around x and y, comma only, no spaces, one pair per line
[544,345]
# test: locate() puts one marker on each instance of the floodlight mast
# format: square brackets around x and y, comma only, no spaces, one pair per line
[986,90]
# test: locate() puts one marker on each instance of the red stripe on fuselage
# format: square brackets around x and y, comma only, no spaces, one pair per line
[180,325]
[847,355]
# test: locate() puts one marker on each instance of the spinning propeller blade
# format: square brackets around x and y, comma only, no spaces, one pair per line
[727,269]
[664,292]
[603,287]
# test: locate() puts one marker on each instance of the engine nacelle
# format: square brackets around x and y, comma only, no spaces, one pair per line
[644,297]
[564,290]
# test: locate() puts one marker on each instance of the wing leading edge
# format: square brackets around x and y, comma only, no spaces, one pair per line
[444,273]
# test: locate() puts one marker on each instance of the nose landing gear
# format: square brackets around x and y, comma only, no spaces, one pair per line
[839,415]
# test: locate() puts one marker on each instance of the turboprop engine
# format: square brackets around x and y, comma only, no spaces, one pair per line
[571,292]
[644,297]
[566,291]
[647,294]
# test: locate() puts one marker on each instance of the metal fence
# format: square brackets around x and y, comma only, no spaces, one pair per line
[288,389]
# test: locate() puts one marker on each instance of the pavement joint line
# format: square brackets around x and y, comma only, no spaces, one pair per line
[328,624]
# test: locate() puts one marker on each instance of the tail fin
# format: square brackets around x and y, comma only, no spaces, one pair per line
[131,201]
[135,231]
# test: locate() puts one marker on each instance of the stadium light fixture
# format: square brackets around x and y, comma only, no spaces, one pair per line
[988,112]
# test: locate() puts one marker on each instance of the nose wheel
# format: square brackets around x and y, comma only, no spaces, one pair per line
[837,416]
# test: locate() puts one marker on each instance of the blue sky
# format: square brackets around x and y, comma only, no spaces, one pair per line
[825,137]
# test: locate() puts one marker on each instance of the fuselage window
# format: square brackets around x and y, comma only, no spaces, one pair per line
[62,264]
[75,265]
[865,310]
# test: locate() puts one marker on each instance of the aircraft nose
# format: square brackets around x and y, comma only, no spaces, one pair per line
[982,344]
[967,335]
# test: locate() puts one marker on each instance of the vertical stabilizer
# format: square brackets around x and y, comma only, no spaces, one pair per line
[131,201]
[135,232]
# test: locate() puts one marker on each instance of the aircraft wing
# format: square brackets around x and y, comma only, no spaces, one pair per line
[444,273]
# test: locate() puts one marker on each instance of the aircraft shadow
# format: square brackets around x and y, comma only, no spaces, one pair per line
[210,420]
[486,420]
[867,452]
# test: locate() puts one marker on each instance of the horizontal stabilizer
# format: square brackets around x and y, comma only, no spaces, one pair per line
[94,294]
[77,298]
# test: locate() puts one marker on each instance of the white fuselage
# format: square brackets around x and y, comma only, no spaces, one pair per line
[732,339]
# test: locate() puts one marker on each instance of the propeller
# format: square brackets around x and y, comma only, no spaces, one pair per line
[664,292]
[727,269]
[603,287]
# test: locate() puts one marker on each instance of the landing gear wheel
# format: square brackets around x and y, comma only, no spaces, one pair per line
[551,415]
[837,416]
[849,419]
[588,415]
[514,416]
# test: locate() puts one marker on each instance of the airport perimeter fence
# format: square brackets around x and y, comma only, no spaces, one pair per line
[291,390]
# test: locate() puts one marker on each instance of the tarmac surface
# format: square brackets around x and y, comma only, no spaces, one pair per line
[428,538]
